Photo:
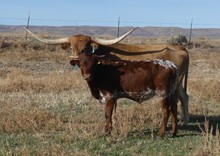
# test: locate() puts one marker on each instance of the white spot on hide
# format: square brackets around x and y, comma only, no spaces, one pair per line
[102,98]
[165,63]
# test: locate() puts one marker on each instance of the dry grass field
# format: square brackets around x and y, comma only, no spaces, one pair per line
[46,107]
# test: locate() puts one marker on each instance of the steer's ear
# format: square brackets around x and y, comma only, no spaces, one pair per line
[94,46]
[74,62]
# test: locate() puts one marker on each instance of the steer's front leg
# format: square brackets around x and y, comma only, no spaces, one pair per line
[108,114]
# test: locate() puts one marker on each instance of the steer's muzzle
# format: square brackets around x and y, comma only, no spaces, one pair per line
[87,77]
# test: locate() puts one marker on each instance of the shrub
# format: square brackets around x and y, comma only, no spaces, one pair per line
[177,39]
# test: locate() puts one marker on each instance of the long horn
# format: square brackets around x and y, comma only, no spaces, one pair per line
[49,41]
[112,41]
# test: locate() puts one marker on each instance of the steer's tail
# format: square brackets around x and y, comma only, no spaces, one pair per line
[186,75]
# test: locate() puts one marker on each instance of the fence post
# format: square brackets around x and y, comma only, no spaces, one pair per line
[28,24]
[118,26]
[190,33]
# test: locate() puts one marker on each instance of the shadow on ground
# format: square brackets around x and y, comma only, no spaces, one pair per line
[195,127]
[197,123]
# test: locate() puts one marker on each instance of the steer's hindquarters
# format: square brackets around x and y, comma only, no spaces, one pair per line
[169,102]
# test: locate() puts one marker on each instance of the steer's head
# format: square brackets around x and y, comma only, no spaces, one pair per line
[88,63]
[81,43]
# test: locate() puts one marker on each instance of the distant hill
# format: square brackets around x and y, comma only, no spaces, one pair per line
[148,32]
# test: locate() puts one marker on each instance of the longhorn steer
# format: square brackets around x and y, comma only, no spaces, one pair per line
[114,50]
[136,80]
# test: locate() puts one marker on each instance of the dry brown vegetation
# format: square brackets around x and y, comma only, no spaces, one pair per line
[43,100]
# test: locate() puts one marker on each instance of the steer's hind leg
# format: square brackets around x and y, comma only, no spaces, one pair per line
[184,99]
[165,116]
[174,116]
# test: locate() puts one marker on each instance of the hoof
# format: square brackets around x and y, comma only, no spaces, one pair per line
[108,130]
[161,134]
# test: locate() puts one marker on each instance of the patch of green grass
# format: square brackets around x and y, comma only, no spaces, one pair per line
[142,145]
[137,143]
[18,143]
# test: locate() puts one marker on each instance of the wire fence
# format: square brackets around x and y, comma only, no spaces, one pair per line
[190,28]
[71,22]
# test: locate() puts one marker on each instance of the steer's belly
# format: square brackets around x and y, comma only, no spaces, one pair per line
[140,96]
